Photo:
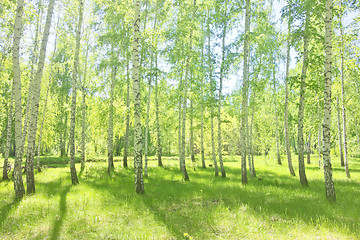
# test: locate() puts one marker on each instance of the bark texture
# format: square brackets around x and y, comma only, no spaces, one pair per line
[157,113]
[110,131]
[329,184]
[139,181]
[18,181]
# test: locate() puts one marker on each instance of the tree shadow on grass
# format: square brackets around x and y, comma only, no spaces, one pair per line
[5,210]
[191,207]
[62,211]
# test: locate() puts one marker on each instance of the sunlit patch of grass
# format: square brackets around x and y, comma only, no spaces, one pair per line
[271,206]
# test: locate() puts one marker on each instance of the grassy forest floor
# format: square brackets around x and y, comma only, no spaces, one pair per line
[271,206]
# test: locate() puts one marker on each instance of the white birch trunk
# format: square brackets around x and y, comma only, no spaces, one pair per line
[329,184]
[110,131]
[18,181]
[8,138]
[139,181]
[126,142]
[340,134]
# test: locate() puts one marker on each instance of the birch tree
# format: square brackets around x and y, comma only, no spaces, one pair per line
[139,181]
[329,184]
[18,181]
[74,179]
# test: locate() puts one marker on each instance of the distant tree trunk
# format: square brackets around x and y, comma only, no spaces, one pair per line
[126,141]
[346,162]
[309,149]
[192,154]
[212,89]
[159,144]
[251,155]
[8,139]
[302,173]
[340,134]
[74,179]
[276,121]
[83,129]
[18,181]
[329,184]
[319,129]
[63,152]
[245,89]
[110,135]
[222,68]
[180,111]
[286,112]
[202,116]
[147,126]
[139,181]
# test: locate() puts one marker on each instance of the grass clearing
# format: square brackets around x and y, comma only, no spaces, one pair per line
[271,206]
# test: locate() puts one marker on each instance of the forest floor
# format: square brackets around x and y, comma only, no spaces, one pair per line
[271,206]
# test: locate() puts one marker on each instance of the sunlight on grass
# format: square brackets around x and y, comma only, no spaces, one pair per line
[102,206]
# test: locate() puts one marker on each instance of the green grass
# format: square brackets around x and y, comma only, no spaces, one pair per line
[207,207]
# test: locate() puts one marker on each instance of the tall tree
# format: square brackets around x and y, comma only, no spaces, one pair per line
[157,113]
[18,181]
[127,131]
[329,184]
[222,69]
[139,181]
[302,173]
[245,89]
[83,117]
[110,135]
[286,110]
[340,133]
[346,158]
[74,179]
[147,126]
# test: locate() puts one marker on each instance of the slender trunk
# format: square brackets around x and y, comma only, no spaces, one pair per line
[340,133]
[159,145]
[202,116]
[251,155]
[18,181]
[126,142]
[329,184]
[212,90]
[222,66]
[192,154]
[83,129]
[74,179]
[180,111]
[245,87]
[302,173]
[346,160]
[147,126]
[276,122]
[8,138]
[286,113]
[138,144]
[185,82]
[110,131]
[309,149]
[319,130]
